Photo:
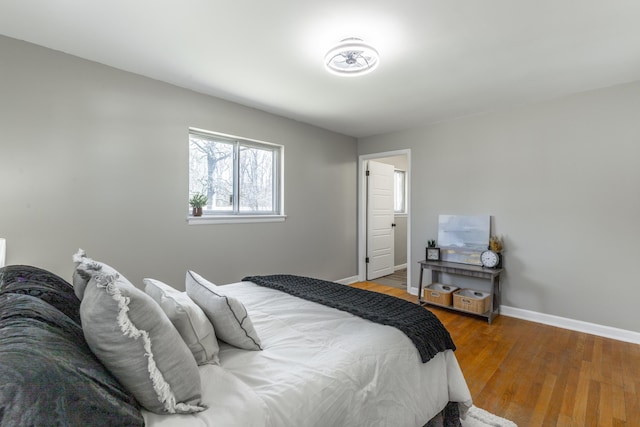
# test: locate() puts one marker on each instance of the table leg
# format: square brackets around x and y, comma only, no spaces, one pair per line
[420,285]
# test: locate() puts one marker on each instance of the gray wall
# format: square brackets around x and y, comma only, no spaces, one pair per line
[400,240]
[562,181]
[94,157]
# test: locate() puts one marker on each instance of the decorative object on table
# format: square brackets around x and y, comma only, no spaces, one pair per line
[197,202]
[495,244]
[462,238]
[433,253]
[490,259]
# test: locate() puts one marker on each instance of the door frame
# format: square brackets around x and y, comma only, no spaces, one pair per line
[362,210]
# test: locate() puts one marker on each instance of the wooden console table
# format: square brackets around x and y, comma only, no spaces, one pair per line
[439,267]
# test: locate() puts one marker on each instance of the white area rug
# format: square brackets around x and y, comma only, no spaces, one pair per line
[477,417]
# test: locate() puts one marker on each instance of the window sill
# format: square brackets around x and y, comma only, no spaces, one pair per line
[233,219]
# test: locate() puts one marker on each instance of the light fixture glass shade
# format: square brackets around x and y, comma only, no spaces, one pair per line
[351,57]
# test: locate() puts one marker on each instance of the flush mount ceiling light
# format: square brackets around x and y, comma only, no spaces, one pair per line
[351,57]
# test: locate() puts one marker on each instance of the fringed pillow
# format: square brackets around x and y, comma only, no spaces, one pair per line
[128,331]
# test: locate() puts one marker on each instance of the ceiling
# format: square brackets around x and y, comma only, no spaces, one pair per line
[439,59]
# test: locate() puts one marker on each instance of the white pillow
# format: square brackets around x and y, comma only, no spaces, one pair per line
[228,316]
[189,319]
[131,335]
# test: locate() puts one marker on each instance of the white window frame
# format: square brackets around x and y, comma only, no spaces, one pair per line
[404,191]
[236,215]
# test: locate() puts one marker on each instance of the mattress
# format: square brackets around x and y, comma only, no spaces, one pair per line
[320,367]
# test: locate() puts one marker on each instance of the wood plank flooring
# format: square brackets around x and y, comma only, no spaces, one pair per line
[398,279]
[539,375]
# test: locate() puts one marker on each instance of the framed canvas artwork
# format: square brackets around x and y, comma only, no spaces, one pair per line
[462,238]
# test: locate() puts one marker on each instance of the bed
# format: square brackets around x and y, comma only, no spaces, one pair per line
[315,366]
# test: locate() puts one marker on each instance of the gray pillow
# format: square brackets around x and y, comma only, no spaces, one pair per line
[131,335]
[189,319]
[228,316]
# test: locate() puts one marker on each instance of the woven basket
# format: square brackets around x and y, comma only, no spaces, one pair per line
[472,301]
[437,293]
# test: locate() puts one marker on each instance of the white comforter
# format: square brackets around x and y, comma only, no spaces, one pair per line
[320,367]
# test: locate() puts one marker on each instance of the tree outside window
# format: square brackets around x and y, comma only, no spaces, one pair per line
[238,176]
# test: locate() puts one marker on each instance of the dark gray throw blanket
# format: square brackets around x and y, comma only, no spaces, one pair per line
[48,374]
[420,325]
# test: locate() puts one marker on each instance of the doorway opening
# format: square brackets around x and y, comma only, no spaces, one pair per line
[401,267]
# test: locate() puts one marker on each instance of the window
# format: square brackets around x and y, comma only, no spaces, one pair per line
[239,177]
[399,192]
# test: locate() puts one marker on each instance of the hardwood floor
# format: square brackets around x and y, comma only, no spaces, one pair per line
[398,279]
[538,375]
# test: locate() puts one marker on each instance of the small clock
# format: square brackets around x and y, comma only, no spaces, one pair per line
[490,259]
[433,254]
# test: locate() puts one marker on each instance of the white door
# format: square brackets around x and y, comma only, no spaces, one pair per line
[380,220]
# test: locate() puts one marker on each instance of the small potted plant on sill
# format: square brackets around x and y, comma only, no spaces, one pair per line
[197,201]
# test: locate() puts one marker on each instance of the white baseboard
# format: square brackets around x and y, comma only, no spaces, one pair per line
[354,279]
[400,267]
[573,325]
[348,280]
